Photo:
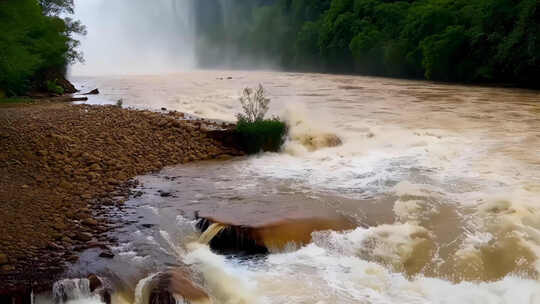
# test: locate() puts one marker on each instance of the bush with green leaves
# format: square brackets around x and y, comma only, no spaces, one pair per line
[255,133]
[53,87]
[262,135]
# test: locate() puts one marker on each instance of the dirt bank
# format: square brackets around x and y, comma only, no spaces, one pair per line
[62,164]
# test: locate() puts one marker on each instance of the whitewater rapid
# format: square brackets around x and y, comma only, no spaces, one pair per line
[443,182]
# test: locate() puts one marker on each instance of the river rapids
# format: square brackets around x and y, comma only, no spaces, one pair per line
[441,183]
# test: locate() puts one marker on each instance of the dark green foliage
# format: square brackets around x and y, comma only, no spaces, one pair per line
[33,44]
[53,87]
[261,135]
[447,40]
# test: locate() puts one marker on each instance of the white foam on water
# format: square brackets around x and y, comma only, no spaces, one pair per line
[143,289]
[331,271]
[227,283]
[397,140]
[91,300]
[506,215]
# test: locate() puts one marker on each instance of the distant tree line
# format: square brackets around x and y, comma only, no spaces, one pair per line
[495,41]
[36,44]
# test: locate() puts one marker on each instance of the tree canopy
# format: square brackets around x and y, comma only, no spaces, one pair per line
[446,40]
[35,42]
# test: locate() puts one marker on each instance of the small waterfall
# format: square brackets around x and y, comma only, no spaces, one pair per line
[71,289]
[143,289]
[211,232]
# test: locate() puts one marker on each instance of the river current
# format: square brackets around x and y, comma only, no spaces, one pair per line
[441,181]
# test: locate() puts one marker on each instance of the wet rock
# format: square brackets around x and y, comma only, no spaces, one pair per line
[315,142]
[94,244]
[177,282]
[72,258]
[95,282]
[7,268]
[90,222]
[93,92]
[83,236]
[224,157]
[164,193]
[3,259]
[271,236]
[106,254]
[66,239]
[54,246]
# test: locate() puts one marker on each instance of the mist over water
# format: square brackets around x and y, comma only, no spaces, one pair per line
[165,36]
[136,36]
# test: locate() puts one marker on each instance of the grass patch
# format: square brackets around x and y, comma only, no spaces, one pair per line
[12,100]
[261,135]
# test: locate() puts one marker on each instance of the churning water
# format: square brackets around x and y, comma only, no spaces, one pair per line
[441,181]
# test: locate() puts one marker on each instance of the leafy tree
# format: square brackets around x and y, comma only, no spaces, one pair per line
[36,44]
[56,7]
[448,40]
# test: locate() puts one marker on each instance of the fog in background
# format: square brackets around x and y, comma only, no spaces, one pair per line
[226,35]
[161,36]
[136,36]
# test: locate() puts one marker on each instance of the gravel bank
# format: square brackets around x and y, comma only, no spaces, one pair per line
[61,163]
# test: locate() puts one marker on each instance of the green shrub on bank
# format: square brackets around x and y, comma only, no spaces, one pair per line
[53,87]
[261,135]
[253,132]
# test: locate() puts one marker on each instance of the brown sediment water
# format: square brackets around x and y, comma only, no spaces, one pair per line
[269,234]
[211,232]
[439,182]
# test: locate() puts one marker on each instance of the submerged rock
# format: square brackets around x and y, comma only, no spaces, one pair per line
[314,142]
[175,286]
[93,92]
[106,254]
[273,236]
[94,282]
[164,193]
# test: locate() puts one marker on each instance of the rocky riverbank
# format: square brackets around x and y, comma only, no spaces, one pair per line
[62,165]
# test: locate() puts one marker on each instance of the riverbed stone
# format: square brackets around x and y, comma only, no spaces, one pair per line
[106,254]
[83,236]
[3,259]
[90,222]
[7,268]
[70,156]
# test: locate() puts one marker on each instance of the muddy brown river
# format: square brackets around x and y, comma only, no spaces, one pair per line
[441,184]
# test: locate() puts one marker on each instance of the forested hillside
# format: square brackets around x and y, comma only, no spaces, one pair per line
[449,40]
[35,45]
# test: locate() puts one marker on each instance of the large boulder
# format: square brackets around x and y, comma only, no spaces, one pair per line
[175,286]
[225,235]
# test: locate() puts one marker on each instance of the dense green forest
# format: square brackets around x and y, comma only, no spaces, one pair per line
[493,41]
[36,44]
